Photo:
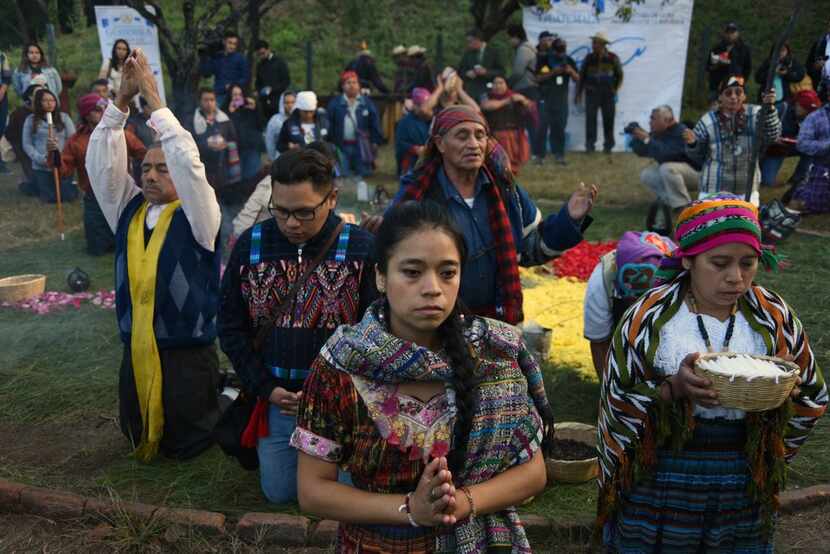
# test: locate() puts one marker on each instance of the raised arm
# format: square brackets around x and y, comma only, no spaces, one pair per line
[181,155]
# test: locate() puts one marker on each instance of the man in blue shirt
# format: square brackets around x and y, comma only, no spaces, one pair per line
[227,67]
[464,169]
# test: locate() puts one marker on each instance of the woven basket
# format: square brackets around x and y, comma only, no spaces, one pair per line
[21,287]
[758,395]
[574,471]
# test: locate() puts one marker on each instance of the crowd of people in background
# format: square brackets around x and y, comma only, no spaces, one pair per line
[333,329]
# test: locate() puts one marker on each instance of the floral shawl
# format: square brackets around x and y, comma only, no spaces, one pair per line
[506,428]
[634,421]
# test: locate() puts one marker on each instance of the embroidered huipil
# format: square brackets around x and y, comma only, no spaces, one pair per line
[262,268]
[384,438]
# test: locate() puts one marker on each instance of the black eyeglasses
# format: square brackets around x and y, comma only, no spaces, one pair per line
[300,214]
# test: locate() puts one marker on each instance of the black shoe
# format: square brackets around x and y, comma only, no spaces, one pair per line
[659,219]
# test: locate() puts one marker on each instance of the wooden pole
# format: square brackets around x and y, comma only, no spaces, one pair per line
[765,108]
[56,175]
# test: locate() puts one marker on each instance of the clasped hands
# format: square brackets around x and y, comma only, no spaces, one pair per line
[137,78]
[436,501]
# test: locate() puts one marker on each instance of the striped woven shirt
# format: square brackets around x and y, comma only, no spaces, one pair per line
[630,390]
[726,156]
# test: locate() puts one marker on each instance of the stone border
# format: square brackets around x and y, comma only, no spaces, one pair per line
[283,529]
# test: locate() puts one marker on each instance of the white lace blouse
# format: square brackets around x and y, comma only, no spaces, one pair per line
[680,336]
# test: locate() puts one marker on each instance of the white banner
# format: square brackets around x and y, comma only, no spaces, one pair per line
[115,22]
[652,48]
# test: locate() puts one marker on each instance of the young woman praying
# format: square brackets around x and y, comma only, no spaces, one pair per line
[679,471]
[438,416]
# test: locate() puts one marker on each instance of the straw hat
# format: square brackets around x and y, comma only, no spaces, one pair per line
[416,50]
[601,36]
[399,50]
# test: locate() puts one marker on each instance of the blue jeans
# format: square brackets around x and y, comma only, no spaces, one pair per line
[351,162]
[770,166]
[278,459]
[251,161]
[44,183]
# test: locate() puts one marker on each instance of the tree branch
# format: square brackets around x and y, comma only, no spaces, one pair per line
[156,19]
[266,6]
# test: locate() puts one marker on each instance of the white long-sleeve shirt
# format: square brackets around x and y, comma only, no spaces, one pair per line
[106,164]
[255,209]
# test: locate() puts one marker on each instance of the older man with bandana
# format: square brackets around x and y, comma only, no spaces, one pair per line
[465,169]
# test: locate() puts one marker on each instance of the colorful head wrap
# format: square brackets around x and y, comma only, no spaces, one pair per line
[638,257]
[90,102]
[420,95]
[496,161]
[712,222]
[349,74]
[455,115]
[807,99]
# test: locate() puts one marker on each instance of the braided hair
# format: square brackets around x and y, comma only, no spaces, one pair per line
[399,223]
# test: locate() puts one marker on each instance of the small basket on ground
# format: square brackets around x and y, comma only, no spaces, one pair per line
[574,471]
[755,394]
[21,287]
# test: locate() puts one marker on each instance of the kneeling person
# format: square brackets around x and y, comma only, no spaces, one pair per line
[290,282]
[618,280]
[167,274]
[673,173]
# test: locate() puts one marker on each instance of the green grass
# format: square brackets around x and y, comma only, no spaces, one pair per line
[58,372]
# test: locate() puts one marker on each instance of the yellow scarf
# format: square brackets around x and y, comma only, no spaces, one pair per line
[142,266]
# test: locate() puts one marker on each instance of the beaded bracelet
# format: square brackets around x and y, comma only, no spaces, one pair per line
[469,496]
[405,508]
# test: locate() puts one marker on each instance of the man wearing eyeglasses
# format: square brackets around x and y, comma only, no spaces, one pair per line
[290,282]
[723,139]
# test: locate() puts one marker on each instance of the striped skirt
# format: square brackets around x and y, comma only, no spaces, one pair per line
[695,501]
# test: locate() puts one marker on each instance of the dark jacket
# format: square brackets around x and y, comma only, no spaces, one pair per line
[248,125]
[795,73]
[817,54]
[740,63]
[423,76]
[551,87]
[490,59]
[667,146]
[367,73]
[226,69]
[404,77]
[600,72]
[216,162]
[292,132]
[411,132]
[367,118]
[274,73]
[259,274]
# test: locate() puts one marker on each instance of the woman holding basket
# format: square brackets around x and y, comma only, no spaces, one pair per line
[679,471]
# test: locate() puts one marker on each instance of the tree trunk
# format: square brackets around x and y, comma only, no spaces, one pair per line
[252,17]
[25,30]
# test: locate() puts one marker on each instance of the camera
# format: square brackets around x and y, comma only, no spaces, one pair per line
[631,127]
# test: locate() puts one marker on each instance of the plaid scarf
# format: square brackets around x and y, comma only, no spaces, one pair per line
[423,177]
